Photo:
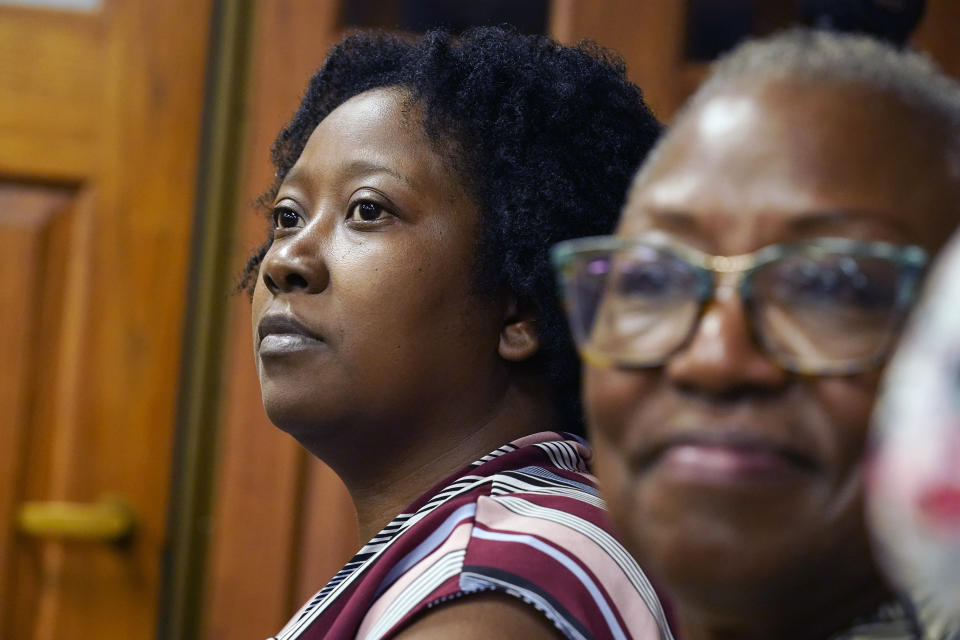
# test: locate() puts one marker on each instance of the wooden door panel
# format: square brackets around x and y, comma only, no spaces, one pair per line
[51,79]
[33,223]
[48,393]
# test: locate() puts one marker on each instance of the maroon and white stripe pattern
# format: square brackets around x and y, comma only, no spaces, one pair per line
[525,520]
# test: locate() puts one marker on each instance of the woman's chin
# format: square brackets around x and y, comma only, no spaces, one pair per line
[301,422]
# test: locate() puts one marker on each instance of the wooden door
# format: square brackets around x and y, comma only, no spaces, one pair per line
[100,113]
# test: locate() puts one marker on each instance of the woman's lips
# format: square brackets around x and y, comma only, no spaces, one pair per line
[278,344]
[283,334]
[719,464]
[726,461]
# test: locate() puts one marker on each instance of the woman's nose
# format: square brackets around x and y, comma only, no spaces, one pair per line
[722,358]
[295,265]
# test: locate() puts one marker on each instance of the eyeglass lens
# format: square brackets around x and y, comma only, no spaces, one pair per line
[827,310]
[637,305]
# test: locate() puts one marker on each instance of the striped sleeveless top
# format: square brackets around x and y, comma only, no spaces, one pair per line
[525,520]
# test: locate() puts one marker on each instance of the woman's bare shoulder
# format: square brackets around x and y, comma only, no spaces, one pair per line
[488,615]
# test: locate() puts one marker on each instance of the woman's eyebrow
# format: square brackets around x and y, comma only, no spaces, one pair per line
[367,167]
[674,220]
[821,221]
[297,175]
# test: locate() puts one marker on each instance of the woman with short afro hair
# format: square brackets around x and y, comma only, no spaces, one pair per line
[407,332]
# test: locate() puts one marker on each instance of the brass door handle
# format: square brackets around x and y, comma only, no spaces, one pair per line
[107,520]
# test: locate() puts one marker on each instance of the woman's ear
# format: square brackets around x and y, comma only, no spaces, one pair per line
[518,336]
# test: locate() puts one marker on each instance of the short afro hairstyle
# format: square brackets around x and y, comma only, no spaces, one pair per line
[546,137]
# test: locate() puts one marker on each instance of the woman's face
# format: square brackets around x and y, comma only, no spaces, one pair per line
[720,522]
[363,312]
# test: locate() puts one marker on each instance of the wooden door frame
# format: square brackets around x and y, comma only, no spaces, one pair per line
[205,340]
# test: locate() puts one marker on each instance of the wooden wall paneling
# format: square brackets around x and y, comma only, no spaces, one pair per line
[937,34]
[650,37]
[267,530]
[255,506]
[648,34]
[328,530]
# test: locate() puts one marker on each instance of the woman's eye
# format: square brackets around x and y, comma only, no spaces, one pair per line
[366,211]
[284,218]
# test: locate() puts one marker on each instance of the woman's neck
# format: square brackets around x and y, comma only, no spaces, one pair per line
[384,480]
[378,500]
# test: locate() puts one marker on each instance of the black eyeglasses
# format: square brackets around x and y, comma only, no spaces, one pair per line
[830,306]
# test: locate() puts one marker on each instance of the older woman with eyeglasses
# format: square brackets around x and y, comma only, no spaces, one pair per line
[735,328]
